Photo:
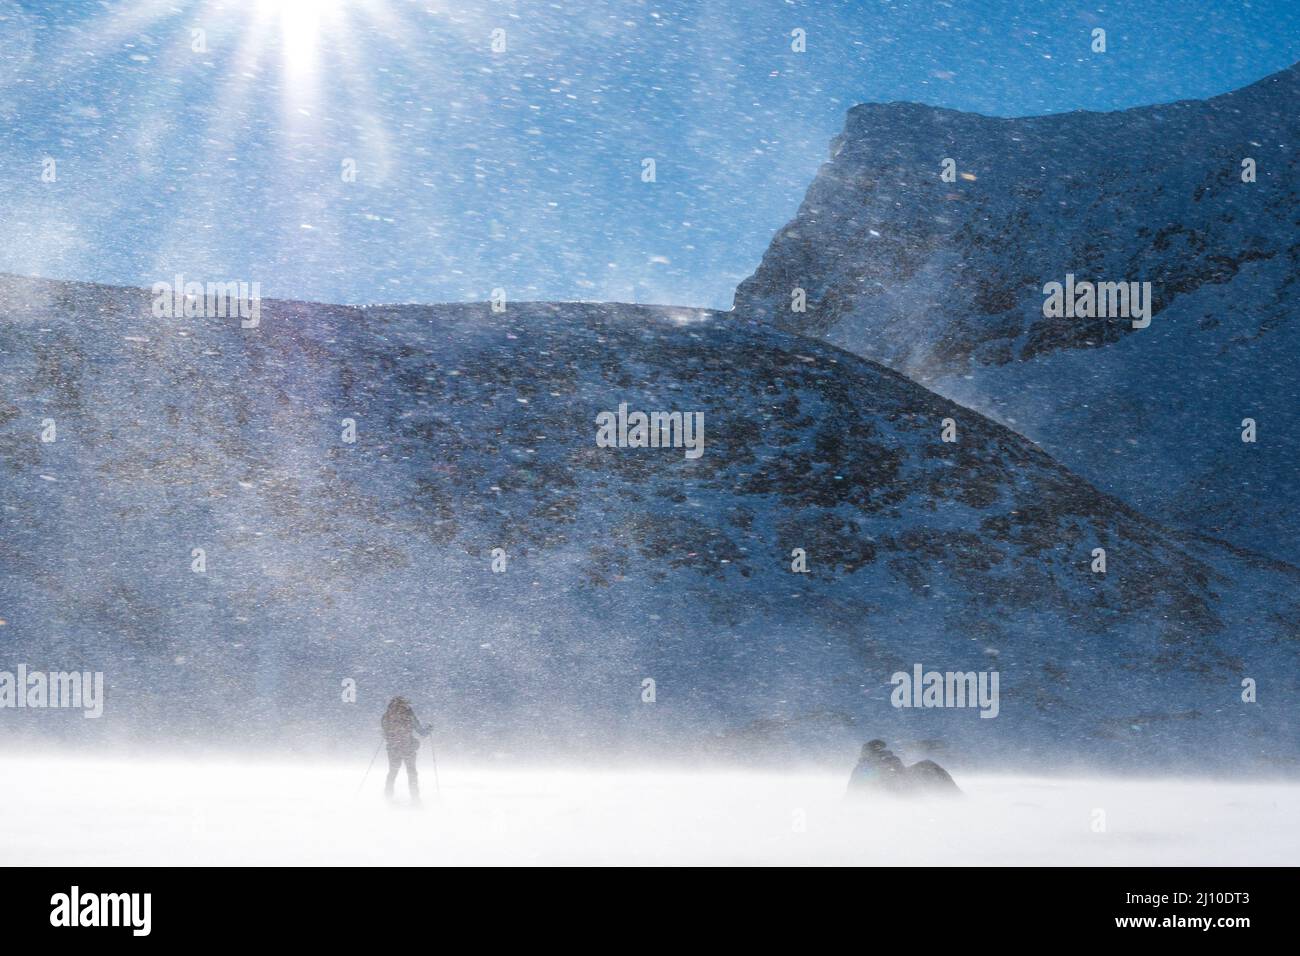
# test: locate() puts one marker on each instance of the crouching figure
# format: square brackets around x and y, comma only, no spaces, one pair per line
[879,771]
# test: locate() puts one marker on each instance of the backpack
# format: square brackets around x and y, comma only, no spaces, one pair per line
[398,723]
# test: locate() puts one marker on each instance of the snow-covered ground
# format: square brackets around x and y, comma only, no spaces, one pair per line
[63,810]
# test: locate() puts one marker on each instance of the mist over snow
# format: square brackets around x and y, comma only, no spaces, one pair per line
[228,811]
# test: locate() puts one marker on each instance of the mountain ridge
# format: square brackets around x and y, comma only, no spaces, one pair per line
[475,431]
[945,282]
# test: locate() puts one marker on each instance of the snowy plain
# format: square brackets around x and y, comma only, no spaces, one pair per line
[73,809]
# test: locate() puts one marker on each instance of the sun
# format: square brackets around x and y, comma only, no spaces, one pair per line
[296,77]
[301,25]
[291,10]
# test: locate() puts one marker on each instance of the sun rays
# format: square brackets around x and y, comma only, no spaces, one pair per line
[284,93]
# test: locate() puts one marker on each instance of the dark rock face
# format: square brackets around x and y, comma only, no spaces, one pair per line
[372,560]
[944,282]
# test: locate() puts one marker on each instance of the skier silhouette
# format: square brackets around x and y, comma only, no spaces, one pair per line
[400,726]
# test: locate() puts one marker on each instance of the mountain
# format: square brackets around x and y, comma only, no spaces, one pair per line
[945,281]
[372,561]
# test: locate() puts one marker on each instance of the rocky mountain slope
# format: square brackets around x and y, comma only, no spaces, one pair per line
[327,561]
[944,281]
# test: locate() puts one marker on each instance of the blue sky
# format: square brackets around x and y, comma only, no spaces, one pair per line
[518,169]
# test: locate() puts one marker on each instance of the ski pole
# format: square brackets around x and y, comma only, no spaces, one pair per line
[437,787]
[368,769]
